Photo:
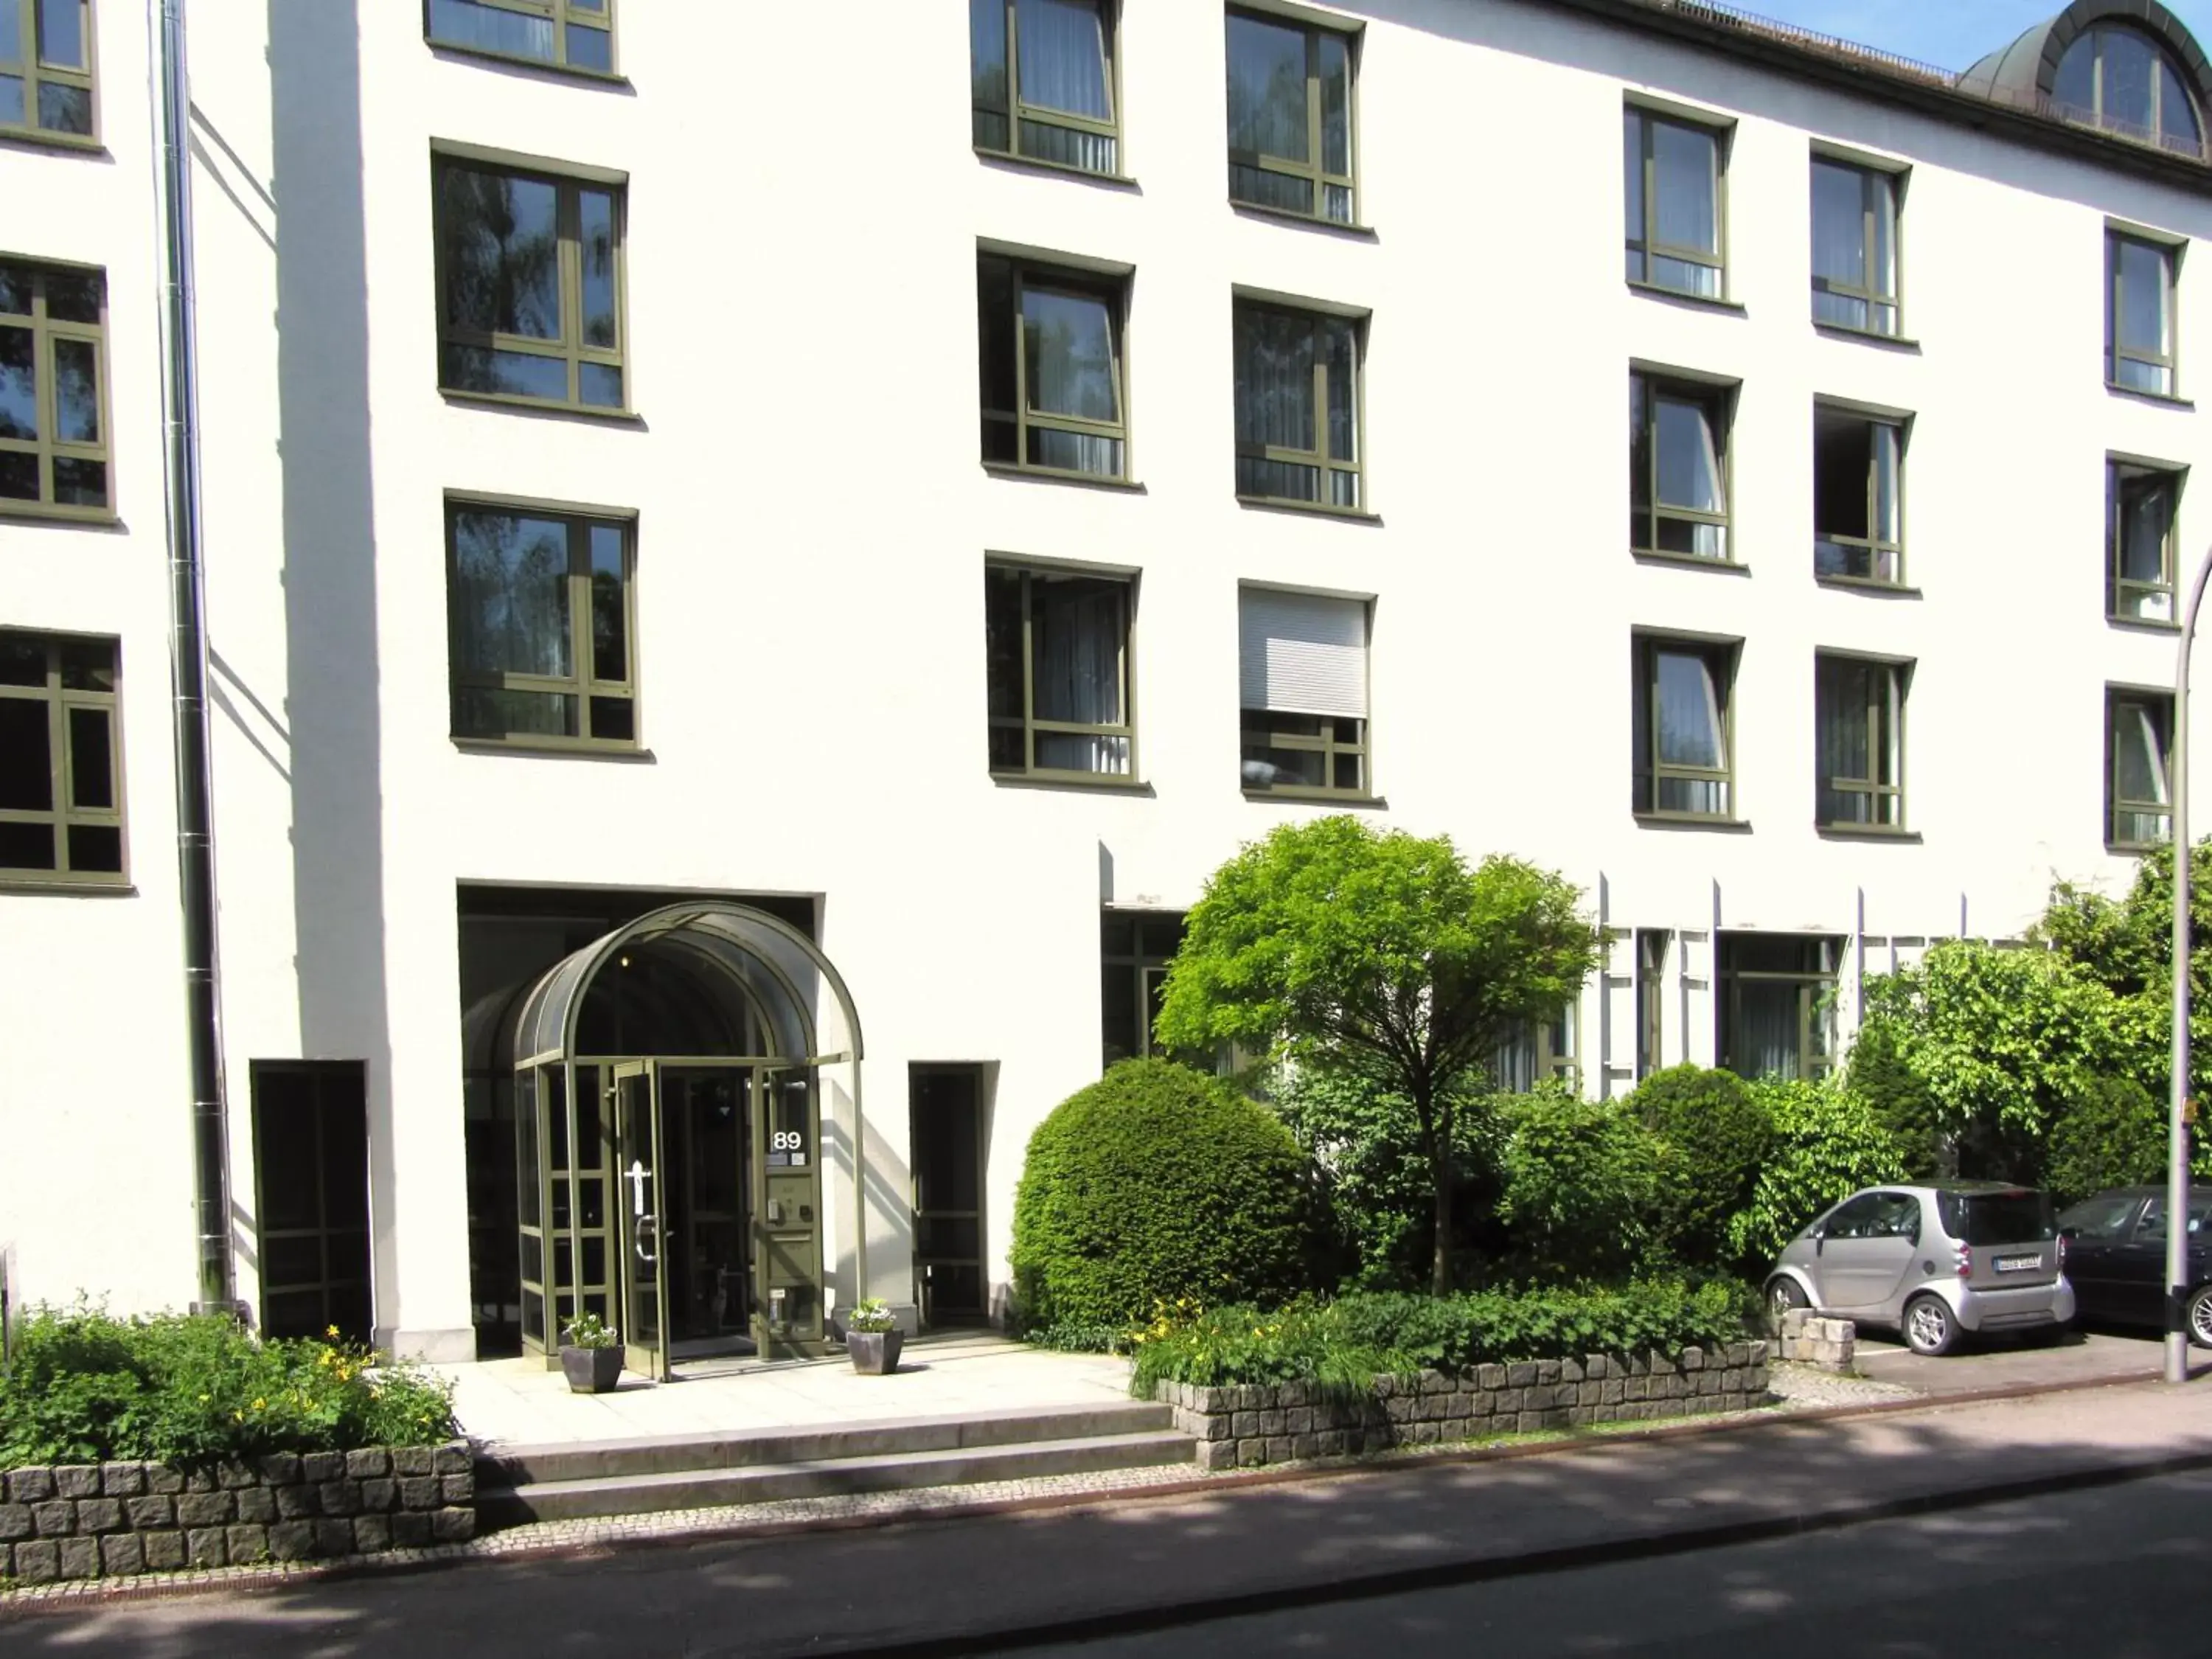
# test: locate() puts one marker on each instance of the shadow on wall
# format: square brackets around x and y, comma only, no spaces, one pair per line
[330,548]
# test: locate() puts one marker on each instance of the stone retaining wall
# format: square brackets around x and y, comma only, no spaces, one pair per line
[1242,1426]
[100,1519]
[1809,1340]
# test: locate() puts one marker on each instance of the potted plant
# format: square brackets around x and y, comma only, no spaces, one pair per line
[590,1355]
[873,1337]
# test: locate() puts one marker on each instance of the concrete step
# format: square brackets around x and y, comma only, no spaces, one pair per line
[898,1470]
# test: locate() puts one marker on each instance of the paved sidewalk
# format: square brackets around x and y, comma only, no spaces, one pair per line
[2083,1357]
[960,1588]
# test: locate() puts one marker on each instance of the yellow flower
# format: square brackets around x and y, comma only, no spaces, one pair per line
[331,1332]
[261,1405]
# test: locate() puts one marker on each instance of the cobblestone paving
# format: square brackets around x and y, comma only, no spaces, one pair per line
[1803,1387]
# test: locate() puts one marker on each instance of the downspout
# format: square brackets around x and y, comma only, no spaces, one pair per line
[188,666]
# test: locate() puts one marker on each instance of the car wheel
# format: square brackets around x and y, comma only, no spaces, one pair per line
[1930,1328]
[2200,1318]
[1785,1295]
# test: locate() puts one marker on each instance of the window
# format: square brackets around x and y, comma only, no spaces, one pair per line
[1853,246]
[1538,1051]
[1051,349]
[1042,73]
[1678,490]
[1858,519]
[61,768]
[1057,644]
[1875,1215]
[2138,729]
[2139,315]
[2116,78]
[529,285]
[1298,406]
[45,68]
[53,391]
[1675,169]
[1651,998]
[1859,709]
[1777,1015]
[1303,680]
[576,35]
[1134,950]
[1684,759]
[543,626]
[1290,116]
[2141,503]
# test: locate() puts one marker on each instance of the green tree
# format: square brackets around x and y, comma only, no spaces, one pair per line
[1582,1181]
[1381,956]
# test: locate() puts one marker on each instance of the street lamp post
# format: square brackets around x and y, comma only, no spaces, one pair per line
[2177,1145]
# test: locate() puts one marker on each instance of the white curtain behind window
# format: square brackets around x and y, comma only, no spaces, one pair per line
[1078,629]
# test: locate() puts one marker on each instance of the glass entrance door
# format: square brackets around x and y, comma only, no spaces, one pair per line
[706,1133]
[639,1163]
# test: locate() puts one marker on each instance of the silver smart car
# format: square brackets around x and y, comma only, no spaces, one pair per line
[1932,1262]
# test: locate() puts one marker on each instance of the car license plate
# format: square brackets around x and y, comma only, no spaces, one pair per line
[2018,1264]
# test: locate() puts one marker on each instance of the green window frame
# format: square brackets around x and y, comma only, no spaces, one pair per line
[1060,645]
[1858,496]
[1134,950]
[48,72]
[1675,190]
[1540,1051]
[311,1150]
[61,761]
[2138,774]
[1651,947]
[2142,509]
[1053,368]
[1859,739]
[1060,108]
[2142,351]
[566,596]
[1684,729]
[1794,977]
[1300,393]
[2084,85]
[576,35]
[1302,661]
[531,283]
[1856,253]
[54,409]
[1679,483]
[1301,162]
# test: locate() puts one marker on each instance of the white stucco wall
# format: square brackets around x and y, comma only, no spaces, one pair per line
[812,523]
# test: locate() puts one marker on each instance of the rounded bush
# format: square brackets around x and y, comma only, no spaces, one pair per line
[1714,1136]
[2109,1132]
[1579,1184]
[1157,1182]
[1828,1143]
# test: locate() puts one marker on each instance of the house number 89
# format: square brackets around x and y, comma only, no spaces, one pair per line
[785,1140]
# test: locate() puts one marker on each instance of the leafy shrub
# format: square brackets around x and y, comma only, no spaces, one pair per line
[85,1387]
[1348,1342]
[1580,1180]
[2111,1131]
[1900,1102]
[1714,1136]
[1827,1144]
[1156,1182]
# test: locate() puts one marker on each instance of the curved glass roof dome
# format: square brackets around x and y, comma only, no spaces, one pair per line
[2126,66]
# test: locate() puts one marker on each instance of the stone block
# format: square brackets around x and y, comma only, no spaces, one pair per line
[100,1515]
[76,1480]
[1279,1447]
[281,1469]
[337,1538]
[1520,1375]
[54,1519]
[1387,1386]
[453,1525]
[1428,1434]
[339,1496]
[1288,1395]
[1302,1446]
[1600,1367]
[1590,1393]
[80,1556]
[292,1540]
[151,1511]
[1272,1423]
[233,1475]
[1250,1454]
[122,1552]
[165,1550]
[1570,1371]
[1330,1443]
[39,1563]
[1613,1391]
[205,1509]
[298,1503]
[257,1504]
[31,1485]
[1510,1401]
[199,1480]
[1434,1383]
[1211,1454]
[14,1522]
[1484,1404]
[1490,1377]
[319,1466]
[1548,1372]
[122,1479]
[160,1478]
[368,1461]
[1581,1417]
[1692,1359]
[246,1543]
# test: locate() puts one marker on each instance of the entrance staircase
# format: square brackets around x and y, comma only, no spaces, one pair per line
[573,1481]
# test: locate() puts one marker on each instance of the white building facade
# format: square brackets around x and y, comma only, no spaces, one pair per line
[693,576]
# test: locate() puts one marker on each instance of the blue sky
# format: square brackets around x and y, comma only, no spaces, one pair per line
[1949,33]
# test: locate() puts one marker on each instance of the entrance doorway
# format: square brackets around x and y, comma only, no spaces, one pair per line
[946,1123]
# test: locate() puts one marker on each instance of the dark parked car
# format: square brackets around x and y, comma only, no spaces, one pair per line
[2116,1257]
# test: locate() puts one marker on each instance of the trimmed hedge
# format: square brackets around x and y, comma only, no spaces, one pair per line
[1714,1135]
[1156,1182]
[1349,1342]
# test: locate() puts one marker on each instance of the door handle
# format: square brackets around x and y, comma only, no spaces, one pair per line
[648,1232]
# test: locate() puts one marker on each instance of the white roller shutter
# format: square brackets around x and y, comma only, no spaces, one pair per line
[1302,653]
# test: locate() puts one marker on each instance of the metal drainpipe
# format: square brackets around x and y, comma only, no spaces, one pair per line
[188,671]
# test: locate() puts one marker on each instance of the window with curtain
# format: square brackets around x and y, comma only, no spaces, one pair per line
[1041,76]
[2138,729]
[1290,116]
[1673,174]
[1303,683]
[61,767]
[1677,477]
[1776,1005]
[53,391]
[1537,1051]
[576,35]
[46,70]
[529,285]
[1858,520]
[542,627]
[1652,946]
[1056,644]
[1298,406]
[1853,246]
[1049,346]
[1859,714]
[2118,78]
[2141,505]
[1684,766]
[2139,314]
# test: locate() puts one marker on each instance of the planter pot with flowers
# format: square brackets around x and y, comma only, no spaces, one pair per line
[590,1355]
[872,1338]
